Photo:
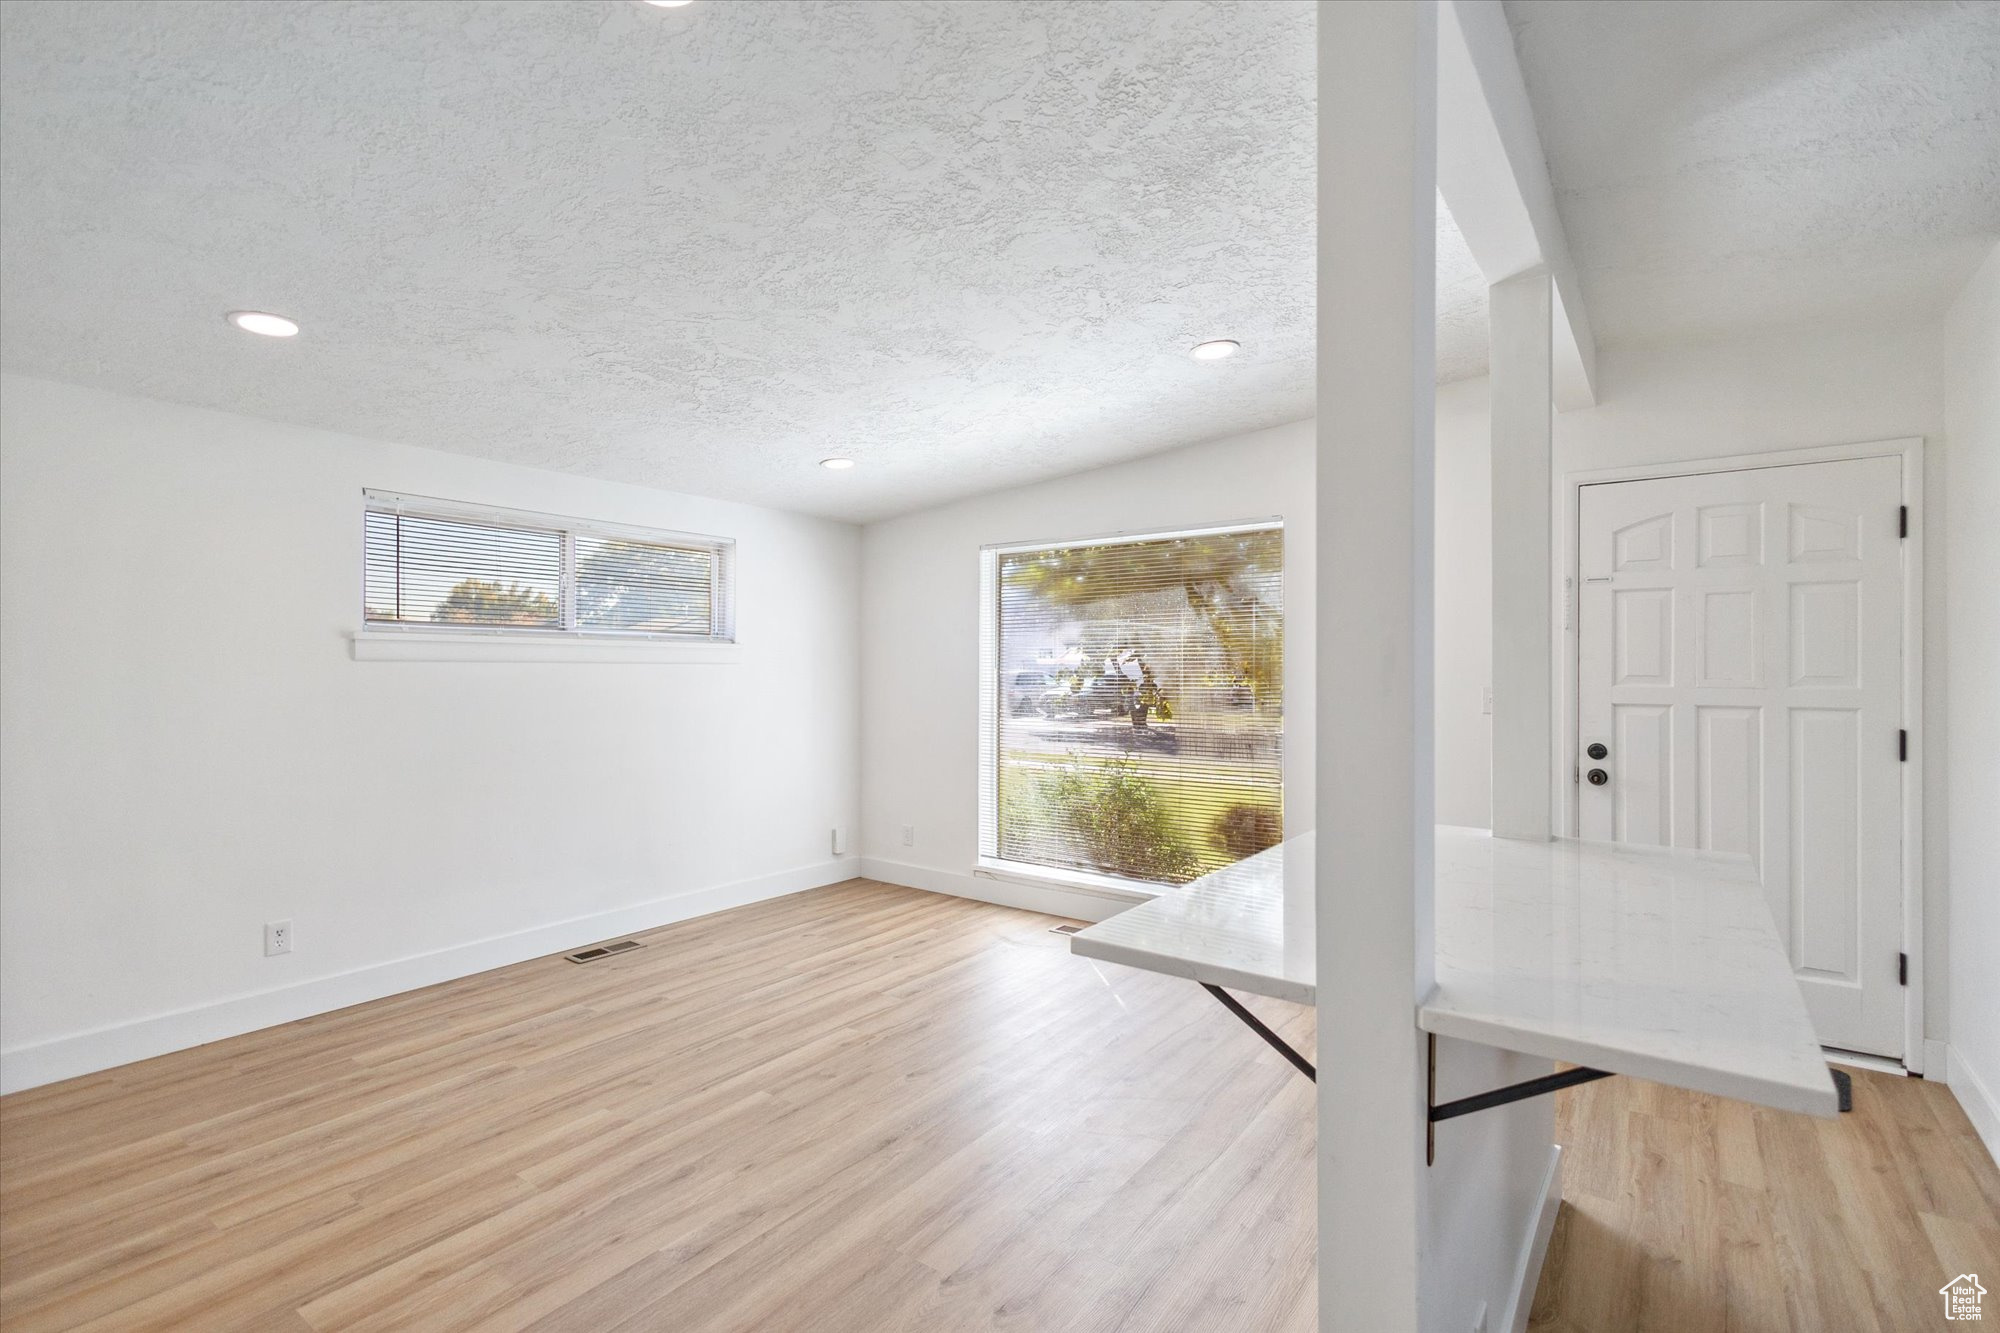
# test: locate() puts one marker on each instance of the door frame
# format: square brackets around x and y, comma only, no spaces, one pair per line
[1910,452]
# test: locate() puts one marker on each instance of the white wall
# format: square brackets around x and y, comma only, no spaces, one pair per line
[191,751]
[1788,389]
[1464,600]
[920,637]
[1794,389]
[1972,639]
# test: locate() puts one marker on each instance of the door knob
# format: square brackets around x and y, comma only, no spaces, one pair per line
[1598,777]
[1597,750]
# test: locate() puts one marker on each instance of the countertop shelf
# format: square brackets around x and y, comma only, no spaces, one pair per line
[1248,926]
[1647,961]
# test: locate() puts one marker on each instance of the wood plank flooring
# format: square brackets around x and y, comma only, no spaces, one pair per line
[864,1108]
[873,1109]
[1688,1212]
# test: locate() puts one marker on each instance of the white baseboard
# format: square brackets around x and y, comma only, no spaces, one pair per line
[119,1044]
[1977,1099]
[1051,900]
[1528,1273]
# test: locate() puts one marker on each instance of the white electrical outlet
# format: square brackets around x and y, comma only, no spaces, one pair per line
[1486,701]
[909,835]
[277,937]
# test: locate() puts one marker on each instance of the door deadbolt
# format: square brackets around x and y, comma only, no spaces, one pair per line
[1597,750]
[1598,777]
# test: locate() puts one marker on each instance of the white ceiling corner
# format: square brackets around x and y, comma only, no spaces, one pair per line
[1461,304]
[1728,167]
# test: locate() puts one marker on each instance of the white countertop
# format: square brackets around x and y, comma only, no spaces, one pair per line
[1248,926]
[1647,961]
[1660,964]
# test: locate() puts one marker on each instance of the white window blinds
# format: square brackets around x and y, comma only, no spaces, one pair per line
[647,587]
[436,565]
[1134,703]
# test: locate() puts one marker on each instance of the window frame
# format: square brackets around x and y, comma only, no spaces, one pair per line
[989,863]
[722,578]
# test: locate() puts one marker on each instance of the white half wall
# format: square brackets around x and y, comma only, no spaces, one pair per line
[191,750]
[1972,658]
[920,638]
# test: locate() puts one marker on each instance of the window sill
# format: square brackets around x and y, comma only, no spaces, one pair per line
[425,646]
[1080,881]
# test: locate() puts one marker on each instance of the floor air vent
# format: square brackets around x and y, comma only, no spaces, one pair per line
[596,952]
[1064,930]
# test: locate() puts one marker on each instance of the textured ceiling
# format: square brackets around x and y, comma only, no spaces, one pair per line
[1721,167]
[968,244]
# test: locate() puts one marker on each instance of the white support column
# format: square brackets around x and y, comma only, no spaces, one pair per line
[1494,175]
[1523,717]
[1377,277]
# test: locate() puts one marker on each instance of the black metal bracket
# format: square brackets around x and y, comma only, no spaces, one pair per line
[1256,1025]
[1534,1087]
[1486,1101]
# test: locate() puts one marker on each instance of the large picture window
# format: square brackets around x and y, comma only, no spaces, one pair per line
[435,565]
[1132,702]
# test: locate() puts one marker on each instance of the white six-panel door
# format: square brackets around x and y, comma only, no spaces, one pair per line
[1739,656]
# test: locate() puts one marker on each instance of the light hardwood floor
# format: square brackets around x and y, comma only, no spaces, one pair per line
[1687,1212]
[878,1110]
[864,1108]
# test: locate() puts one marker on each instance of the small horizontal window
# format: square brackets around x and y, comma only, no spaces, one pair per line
[436,565]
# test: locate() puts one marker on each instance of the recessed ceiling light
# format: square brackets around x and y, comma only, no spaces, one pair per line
[836,464]
[667,4]
[1215,349]
[257,321]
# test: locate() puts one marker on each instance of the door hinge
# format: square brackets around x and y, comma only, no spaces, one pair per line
[1576,774]
[1903,746]
[1902,969]
[1902,520]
